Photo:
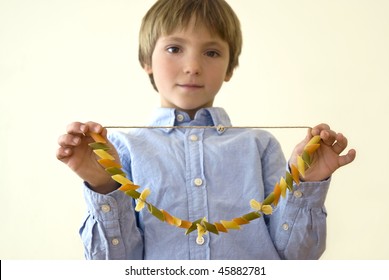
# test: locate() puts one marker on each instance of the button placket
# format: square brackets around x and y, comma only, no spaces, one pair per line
[196,182]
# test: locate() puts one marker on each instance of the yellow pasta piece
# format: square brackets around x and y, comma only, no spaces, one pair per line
[301,166]
[311,148]
[142,200]
[121,179]
[256,205]
[283,187]
[177,222]
[267,209]
[314,140]
[103,154]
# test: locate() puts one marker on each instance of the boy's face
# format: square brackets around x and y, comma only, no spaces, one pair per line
[189,67]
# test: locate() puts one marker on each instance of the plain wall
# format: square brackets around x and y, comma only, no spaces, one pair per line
[303,63]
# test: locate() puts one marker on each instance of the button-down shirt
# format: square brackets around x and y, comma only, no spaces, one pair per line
[203,172]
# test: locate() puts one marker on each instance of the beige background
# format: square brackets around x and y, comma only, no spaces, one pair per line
[303,62]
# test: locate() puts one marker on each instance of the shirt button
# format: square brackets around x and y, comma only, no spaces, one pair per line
[180,117]
[193,138]
[198,182]
[285,226]
[115,241]
[200,240]
[297,194]
[105,208]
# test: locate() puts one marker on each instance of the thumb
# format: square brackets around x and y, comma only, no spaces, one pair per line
[347,158]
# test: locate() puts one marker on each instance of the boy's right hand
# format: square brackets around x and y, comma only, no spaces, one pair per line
[75,152]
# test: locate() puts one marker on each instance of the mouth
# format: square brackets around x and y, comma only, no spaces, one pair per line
[190,86]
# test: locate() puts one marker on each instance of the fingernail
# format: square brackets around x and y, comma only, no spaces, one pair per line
[97,129]
[82,128]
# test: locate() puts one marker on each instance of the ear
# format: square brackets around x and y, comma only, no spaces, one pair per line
[228,76]
[148,69]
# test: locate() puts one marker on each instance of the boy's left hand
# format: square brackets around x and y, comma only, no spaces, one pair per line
[327,158]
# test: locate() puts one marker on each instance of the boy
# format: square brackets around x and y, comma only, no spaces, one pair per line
[189,48]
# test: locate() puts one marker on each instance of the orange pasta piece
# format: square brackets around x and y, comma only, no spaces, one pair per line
[128,187]
[106,163]
[240,221]
[230,224]
[168,218]
[220,227]
[277,193]
[185,224]
[97,137]
[295,174]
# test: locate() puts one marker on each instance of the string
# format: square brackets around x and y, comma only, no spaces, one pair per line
[218,127]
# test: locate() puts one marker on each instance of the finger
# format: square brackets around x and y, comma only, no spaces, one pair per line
[319,128]
[76,128]
[69,140]
[348,158]
[340,144]
[328,137]
[63,152]
[94,127]
[83,128]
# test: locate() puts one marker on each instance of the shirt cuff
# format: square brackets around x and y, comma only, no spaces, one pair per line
[310,194]
[106,207]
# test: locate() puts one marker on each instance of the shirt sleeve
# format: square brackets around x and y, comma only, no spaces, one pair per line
[298,223]
[299,230]
[110,229]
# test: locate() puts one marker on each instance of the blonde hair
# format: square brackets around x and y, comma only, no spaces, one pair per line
[166,16]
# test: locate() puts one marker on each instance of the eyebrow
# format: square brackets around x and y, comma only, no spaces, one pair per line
[212,43]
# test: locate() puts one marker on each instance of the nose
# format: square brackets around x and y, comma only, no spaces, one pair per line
[192,65]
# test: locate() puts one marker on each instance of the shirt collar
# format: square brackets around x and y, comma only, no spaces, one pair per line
[213,116]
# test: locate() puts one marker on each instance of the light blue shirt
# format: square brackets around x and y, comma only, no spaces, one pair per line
[196,173]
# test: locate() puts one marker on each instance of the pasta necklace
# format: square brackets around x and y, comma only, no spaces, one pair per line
[107,161]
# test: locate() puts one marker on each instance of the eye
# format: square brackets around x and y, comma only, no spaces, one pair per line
[212,54]
[173,49]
